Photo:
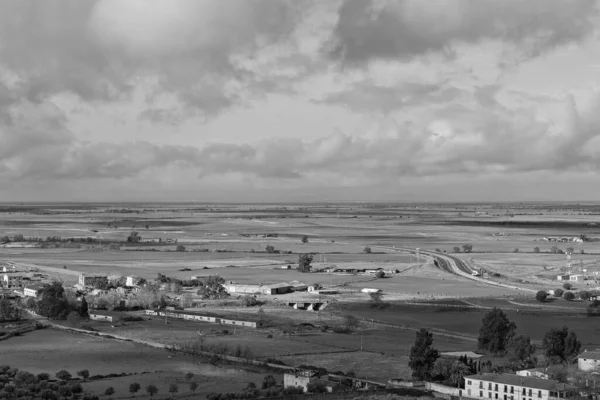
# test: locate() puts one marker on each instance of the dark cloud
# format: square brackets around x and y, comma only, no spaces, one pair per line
[402,29]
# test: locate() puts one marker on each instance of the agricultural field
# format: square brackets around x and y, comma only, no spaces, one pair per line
[50,350]
[231,241]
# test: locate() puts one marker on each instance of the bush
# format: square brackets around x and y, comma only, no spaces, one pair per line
[568,296]
[180,247]
[456,249]
[558,292]
[584,295]
[380,274]
[516,250]
[367,250]
[270,249]
[567,286]
[541,296]
[342,329]
[249,301]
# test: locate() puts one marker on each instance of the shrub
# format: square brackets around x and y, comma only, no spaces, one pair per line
[270,249]
[584,295]
[456,249]
[367,250]
[558,292]
[568,296]
[541,296]
[180,247]
[380,274]
[567,286]
[536,249]
[250,301]
[516,250]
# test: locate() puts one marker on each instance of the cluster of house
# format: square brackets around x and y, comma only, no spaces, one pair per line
[305,378]
[592,278]
[530,384]
[563,239]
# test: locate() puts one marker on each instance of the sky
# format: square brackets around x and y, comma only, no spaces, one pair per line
[299,100]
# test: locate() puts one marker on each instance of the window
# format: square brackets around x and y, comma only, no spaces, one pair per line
[539,394]
[496,387]
[489,386]
[468,382]
[505,388]
[480,393]
[480,385]
[489,395]
[496,396]
[512,389]
[524,391]
[530,393]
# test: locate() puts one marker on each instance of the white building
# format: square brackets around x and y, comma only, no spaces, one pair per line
[515,387]
[131,281]
[299,379]
[589,360]
[535,372]
[32,291]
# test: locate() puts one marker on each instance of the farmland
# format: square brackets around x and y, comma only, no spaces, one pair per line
[185,240]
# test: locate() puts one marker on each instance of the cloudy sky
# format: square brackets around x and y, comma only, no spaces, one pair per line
[299,100]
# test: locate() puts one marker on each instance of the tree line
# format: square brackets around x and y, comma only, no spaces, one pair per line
[497,337]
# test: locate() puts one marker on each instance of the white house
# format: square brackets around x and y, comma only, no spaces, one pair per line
[515,387]
[300,379]
[107,316]
[535,372]
[32,291]
[589,360]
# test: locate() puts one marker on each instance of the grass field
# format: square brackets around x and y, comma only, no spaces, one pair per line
[49,351]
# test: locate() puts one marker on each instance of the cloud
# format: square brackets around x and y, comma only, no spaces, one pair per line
[403,29]
[102,50]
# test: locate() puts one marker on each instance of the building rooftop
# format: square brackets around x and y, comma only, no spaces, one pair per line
[591,354]
[92,274]
[105,312]
[523,381]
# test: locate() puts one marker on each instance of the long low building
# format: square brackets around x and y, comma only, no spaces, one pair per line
[514,387]
[191,316]
[276,288]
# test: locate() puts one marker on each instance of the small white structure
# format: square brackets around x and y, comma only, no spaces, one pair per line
[105,316]
[131,281]
[12,280]
[589,361]
[369,290]
[535,372]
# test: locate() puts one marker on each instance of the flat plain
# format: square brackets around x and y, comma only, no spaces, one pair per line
[231,241]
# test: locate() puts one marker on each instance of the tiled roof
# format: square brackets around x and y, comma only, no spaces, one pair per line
[523,381]
[594,354]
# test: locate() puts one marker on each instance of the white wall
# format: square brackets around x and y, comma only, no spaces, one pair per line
[587,364]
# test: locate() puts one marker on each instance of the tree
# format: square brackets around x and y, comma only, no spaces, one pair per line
[213,288]
[520,347]
[151,390]
[568,296]
[134,237]
[367,250]
[422,355]
[193,386]
[109,391]
[541,296]
[173,388]
[570,250]
[495,332]
[536,249]
[380,274]
[53,303]
[270,249]
[268,381]
[567,286]
[351,321]
[180,247]
[134,388]
[456,249]
[83,309]
[555,250]
[561,345]
[189,376]
[558,292]
[516,250]
[304,261]
[458,372]
[467,248]
[304,239]
[442,369]
[65,391]
[63,375]
[84,374]
[377,299]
